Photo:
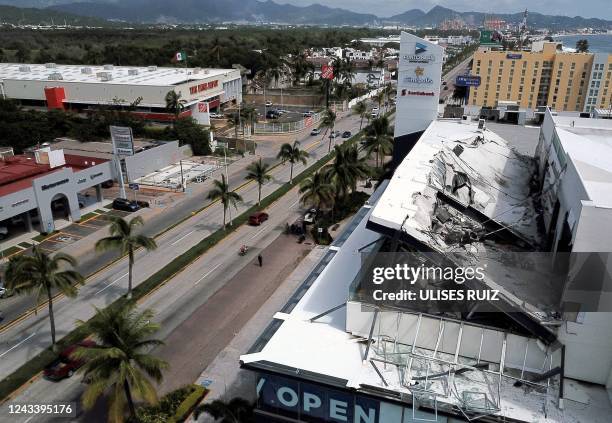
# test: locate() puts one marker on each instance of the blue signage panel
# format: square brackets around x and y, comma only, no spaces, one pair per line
[467,81]
[313,403]
[514,56]
[133,186]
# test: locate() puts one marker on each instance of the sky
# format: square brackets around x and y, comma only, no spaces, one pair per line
[383,8]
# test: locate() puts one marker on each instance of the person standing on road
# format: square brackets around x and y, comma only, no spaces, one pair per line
[260,260]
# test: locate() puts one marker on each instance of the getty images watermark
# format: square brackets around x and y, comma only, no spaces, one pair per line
[489,282]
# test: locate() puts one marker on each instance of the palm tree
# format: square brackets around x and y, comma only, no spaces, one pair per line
[174,103]
[258,172]
[43,274]
[582,46]
[317,191]
[328,121]
[379,139]
[346,170]
[237,410]
[123,238]
[119,365]
[380,96]
[292,154]
[235,121]
[221,191]
[275,74]
[249,114]
[361,109]
[216,48]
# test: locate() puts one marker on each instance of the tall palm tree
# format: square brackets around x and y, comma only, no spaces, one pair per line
[235,121]
[292,154]
[119,365]
[346,170]
[216,48]
[328,121]
[258,172]
[236,410]
[222,192]
[317,191]
[379,139]
[123,238]
[380,96]
[250,116]
[174,103]
[361,109]
[42,274]
[275,74]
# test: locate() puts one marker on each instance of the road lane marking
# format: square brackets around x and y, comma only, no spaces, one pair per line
[183,237]
[207,273]
[15,346]
[296,201]
[111,284]
[258,232]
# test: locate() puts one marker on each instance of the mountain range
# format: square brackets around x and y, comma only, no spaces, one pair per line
[211,11]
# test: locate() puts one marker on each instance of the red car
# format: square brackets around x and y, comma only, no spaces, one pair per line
[258,218]
[65,365]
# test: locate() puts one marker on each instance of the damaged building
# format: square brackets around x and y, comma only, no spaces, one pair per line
[462,196]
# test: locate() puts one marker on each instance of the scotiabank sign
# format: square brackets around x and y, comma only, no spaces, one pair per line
[313,403]
[205,86]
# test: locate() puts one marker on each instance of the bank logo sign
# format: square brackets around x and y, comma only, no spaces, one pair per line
[419,48]
[418,78]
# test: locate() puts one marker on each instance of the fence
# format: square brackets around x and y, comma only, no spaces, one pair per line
[296,126]
[370,94]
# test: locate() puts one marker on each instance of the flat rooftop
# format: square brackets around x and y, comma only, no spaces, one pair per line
[588,144]
[17,172]
[128,75]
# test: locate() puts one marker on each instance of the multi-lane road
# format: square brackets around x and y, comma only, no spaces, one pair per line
[28,337]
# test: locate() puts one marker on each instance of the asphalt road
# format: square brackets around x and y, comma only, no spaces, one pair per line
[449,78]
[22,341]
[16,306]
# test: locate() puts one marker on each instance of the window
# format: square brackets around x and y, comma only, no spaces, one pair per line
[524,65]
[560,65]
[573,65]
[536,64]
[499,72]
[501,63]
[478,63]
[499,79]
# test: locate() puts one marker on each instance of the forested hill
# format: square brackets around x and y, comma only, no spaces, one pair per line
[29,16]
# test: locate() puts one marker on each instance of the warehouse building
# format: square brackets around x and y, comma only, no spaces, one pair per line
[544,76]
[83,88]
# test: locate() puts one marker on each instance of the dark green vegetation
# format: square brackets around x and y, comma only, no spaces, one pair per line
[30,16]
[172,407]
[23,128]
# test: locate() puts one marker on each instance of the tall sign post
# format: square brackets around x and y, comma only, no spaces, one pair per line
[123,145]
[327,73]
[418,91]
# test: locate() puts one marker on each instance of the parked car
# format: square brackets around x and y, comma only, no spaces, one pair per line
[216,116]
[5,292]
[346,134]
[375,110]
[310,216]
[258,218]
[66,365]
[443,82]
[374,114]
[3,232]
[268,103]
[125,205]
[272,114]
[107,184]
[315,131]
[142,204]
[334,134]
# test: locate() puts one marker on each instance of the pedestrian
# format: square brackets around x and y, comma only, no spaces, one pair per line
[260,260]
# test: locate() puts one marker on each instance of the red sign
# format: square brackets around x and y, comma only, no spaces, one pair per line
[203,107]
[327,72]
[203,87]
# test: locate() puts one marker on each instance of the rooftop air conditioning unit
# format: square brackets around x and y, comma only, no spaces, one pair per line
[481,124]
[132,71]
[197,70]
[152,68]
[25,68]
[86,71]
[50,65]
[105,76]
[206,71]
[108,67]
[55,76]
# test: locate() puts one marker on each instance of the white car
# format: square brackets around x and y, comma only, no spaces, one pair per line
[268,103]
[375,110]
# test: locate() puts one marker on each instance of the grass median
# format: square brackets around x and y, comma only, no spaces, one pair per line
[32,368]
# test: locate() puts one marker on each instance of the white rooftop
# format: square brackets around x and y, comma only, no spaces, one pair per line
[588,144]
[129,75]
[498,174]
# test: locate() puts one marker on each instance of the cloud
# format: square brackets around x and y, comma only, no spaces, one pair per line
[384,8]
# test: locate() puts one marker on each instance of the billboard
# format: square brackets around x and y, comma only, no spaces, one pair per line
[201,112]
[123,140]
[327,72]
[467,81]
[418,84]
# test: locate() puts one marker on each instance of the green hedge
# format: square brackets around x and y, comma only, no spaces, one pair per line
[189,404]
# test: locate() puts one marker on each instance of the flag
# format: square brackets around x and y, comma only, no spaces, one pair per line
[179,57]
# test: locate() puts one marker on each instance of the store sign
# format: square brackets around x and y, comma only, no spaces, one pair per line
[467,81]
[419,55]
[514,56]
[123,140]
[419,77]
[327,72]
[205,86]
[54,184]
[313,403]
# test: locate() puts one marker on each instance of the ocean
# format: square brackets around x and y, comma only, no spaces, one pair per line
[598,43]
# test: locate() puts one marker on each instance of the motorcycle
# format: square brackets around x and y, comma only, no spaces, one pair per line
[243,250]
